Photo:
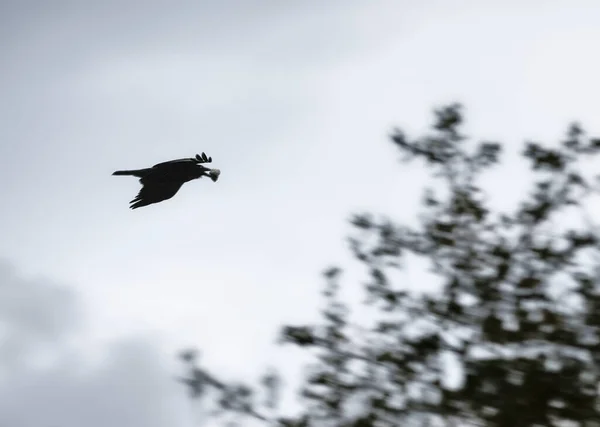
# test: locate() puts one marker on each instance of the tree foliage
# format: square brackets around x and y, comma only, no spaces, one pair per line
[515,321]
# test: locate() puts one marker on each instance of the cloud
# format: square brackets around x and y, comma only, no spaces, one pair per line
[128,385]
[35,315]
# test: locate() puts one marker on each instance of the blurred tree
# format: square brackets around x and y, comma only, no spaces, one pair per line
[515,321]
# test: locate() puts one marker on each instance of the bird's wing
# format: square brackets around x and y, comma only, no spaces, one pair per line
[155,192]
[176,162]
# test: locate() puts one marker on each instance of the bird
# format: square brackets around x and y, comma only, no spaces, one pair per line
[163,180]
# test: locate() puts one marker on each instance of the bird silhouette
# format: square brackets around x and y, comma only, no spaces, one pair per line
[163,180]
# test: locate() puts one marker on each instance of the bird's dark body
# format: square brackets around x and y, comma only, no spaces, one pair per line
[163,180]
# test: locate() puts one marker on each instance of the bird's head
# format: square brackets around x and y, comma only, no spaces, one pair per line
[214,174]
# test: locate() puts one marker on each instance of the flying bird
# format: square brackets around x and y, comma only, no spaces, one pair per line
[163,180]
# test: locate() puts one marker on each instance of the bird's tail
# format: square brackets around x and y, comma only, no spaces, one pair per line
[136,172]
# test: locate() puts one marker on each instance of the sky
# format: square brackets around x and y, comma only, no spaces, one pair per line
[295,102]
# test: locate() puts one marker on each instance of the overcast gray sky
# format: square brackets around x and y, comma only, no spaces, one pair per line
[294,102]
